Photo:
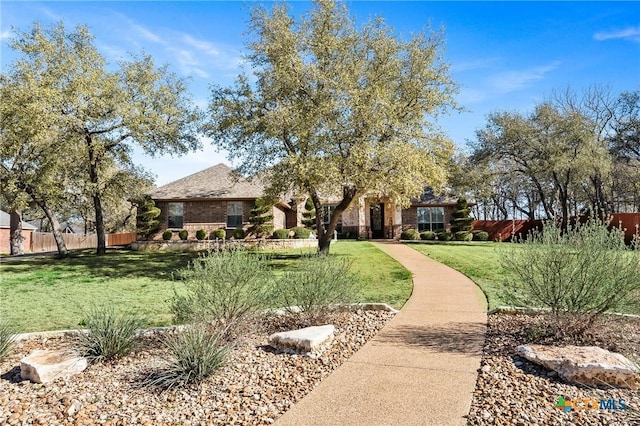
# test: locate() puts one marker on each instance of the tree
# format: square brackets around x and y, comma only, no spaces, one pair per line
[461,221]
[259,218]
[309,214]
[103,114]
[147,222]
[336,109]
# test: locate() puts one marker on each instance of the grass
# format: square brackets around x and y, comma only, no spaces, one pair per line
[478,261]
[48,294]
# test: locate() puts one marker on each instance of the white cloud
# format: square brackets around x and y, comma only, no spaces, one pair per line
[473,64]
[5,34]
[511,81]
[147,34]
[203,46]
[631,34]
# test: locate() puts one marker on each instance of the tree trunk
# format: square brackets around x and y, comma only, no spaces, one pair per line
[325,234]
[102,243]
[53,221]
[97,202]
[16,240]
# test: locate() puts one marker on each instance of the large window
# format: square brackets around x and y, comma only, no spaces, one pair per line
[234,214]
[327,213]
[175,213]
[430,219]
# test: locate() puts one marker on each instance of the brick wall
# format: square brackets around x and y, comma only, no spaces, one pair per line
[5,245]
[410,218]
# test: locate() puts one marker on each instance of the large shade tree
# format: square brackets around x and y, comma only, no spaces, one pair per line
[102,112]
[336,109]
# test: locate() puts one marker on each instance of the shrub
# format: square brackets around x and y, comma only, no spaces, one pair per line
[238,233]
[318,282]
[410,234]
[428,235]
[147,213]
[109,335]
[461,221]
[309,214]
[167,235]
[195,354]
[281,234]
[463,236]
[201,234]
[480,236]
[183,234]
[7,338]
[444,236]
[226,287]
[578,273]
[220,233]
[301,233]
[260,217]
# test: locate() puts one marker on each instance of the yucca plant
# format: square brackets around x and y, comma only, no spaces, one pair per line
[194,354]
[7,338]
[110,335]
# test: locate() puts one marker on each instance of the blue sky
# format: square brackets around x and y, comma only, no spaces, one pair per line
[504,55]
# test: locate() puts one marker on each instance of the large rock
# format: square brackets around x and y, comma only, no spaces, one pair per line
[43,366]
[587,365]
[309,339]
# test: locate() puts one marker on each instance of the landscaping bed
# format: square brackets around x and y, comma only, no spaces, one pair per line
[513,391]
[256,386]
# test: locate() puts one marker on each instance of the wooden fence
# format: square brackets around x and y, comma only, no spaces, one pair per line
[44,241]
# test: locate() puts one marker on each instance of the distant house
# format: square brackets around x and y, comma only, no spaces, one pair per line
[5,233]
[214,198]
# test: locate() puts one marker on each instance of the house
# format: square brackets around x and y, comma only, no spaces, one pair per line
[5,233]
[215,198]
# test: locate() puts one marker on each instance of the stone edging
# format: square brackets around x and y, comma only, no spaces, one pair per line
[512,310]
[144,331]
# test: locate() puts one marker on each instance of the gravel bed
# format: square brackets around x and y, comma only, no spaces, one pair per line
[256,386]
[513,391]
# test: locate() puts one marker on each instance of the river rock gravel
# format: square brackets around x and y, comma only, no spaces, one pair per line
[256,386]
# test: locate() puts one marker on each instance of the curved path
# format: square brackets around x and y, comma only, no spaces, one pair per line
[420,369]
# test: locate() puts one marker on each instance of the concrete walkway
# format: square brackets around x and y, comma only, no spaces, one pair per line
[420,369]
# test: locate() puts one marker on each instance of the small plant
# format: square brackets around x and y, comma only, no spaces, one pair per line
[480,236]
[147,223]
[239,233]
[428,235]
[444,236]
[281,234]
[461,221]
[201,234]
[463,236]
[410,234]
[195,354]
[7,338]
[183,234]
[301,233]
[220,233]
[261,217]
[109,335]
[309,214]
[318,282]
[224,287]
[167,235]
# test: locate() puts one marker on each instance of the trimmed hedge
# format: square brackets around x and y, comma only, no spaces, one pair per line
[280,234]
[410,234]
[300,232]
[167,235]
[480,236]
[444,236]
[220,233]
[183,234]
[428,235]
[201,234]
[239,233]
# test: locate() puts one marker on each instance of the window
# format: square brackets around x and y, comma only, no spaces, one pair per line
[175,213]
[327,213]
[234,214]
[430,219]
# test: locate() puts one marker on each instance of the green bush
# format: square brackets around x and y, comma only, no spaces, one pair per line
[238,233]
[318,282]
[578,273]
[201,234]
[410,234]
[444,236]
[195,354]
[281,234]
[167,235]
[480,236]
[300,232]
[7,338]
[183,234]
[428,235]
[226,287]
[463,236]
[220,233]
[109,335]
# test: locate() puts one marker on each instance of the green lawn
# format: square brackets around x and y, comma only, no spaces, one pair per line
[478,261]
[49,294]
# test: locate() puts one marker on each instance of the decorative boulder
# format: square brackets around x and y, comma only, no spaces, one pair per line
[43,366]
[309,339]
[587,365]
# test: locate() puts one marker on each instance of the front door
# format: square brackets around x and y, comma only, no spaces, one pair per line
[376,218]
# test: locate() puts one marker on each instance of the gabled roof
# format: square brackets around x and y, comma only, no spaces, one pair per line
[5,222]
[215,182]
[428,197]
